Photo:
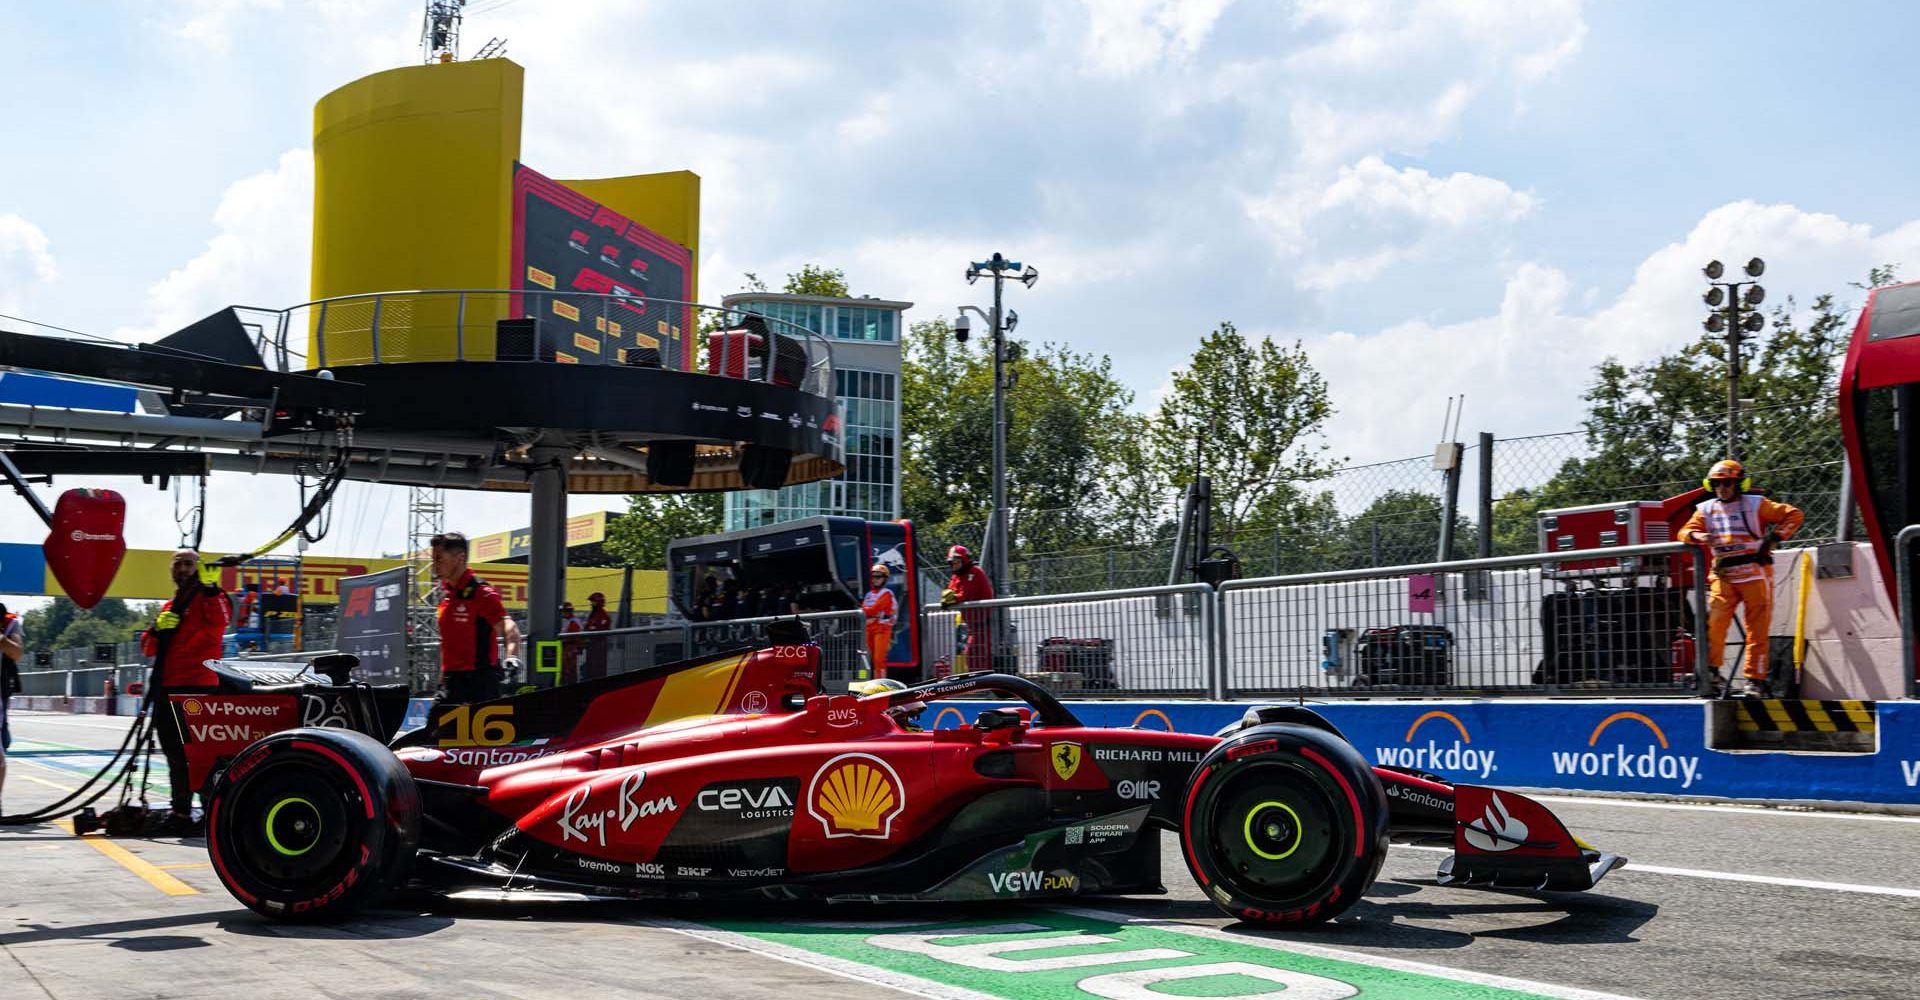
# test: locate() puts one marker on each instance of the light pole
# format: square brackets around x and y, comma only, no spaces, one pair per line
[1000,269]
[1732,313]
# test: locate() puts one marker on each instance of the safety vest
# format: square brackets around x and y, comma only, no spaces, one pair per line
[1734,533]
[878,606]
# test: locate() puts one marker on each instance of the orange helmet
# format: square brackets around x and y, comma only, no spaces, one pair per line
[1726,470]
[879,569]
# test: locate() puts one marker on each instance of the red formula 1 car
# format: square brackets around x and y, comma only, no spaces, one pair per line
[729,776]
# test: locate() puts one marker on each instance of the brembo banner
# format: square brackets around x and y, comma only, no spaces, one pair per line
[1653,747]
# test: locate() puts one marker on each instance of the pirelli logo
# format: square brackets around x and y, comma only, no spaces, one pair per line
[604,325]
[565,358]
[642,340]
[539,277]
[564,309]
[1805,715]
[586,343]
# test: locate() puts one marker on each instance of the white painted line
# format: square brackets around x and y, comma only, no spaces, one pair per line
[1585,800]
[1796,883]
[912,985]
[1258,940]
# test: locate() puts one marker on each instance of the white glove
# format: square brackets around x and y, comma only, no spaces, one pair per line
[512,665]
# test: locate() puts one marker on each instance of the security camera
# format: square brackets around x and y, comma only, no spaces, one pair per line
[962,326]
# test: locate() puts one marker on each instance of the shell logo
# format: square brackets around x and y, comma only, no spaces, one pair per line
[856,795]
[191,706]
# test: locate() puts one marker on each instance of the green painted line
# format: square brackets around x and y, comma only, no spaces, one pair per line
[1036,953]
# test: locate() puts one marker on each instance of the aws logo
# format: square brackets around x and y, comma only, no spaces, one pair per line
[1650,761]
[1456,757]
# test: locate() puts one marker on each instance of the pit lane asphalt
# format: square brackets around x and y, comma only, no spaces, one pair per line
[75,921]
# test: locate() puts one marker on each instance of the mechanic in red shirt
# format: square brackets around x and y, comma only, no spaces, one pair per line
[597,621]
[189,630]
[471,616]
[970,583]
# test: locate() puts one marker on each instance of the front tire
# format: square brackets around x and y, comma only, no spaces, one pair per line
[312,824]
[1284,824]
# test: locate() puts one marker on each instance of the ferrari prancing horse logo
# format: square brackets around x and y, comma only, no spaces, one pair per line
[1066,760]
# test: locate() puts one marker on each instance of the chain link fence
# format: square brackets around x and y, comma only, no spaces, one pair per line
[1390,513]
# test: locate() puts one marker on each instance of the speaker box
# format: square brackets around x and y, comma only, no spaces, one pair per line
[670,463]
[763,468]
[643,357]
[517,339]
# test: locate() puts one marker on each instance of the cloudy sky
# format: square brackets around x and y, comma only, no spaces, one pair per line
[1436,198]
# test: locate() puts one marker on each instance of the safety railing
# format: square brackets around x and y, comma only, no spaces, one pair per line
[1618,619]
[619,327]
[590,655]
[1147,640]
[1903,570]
[81,682]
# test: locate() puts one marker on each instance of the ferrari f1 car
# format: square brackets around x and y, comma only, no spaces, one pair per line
[732,776]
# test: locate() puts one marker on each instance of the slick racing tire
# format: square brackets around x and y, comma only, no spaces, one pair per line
[1284,824]
[311,824]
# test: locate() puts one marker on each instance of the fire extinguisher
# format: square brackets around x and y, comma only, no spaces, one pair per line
[1682,656]
[108,692]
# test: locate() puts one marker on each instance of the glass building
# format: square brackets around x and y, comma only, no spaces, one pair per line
[866,360]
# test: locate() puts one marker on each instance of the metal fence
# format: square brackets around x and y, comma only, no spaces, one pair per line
[617,327]
[1391,513]
[1519,624]
[1147,640]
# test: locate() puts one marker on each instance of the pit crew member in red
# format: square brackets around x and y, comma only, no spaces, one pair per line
[970,583]
[189,630]
[1739,530]
[471,617]
[880,610]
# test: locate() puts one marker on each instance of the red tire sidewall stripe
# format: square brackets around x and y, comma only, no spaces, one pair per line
[366,798]
[219,864]
[1193,795]
[1359,822]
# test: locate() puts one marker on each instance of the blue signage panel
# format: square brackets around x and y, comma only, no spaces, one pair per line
[1604,746]
[23,569]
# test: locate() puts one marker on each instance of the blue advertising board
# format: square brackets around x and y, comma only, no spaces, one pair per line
[1650,747]
[23,569]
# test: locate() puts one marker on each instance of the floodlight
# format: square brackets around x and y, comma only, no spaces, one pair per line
[1715,296]
[1756,267]
[1753,322]
[1756,295]
[1714,270]
[1030,277]
[1013,320]
[1715,323]
[973,274]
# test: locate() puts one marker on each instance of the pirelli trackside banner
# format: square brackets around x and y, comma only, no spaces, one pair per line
[1653,747]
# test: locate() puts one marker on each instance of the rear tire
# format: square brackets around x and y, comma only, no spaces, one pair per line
[312,824]
[1284,824]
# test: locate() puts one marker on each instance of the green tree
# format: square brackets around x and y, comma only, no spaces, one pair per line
[1402,527]
[1653,429]
[639,537]
[44,624]
[1250,417]
[1072,442]
[86,630]
[813,279]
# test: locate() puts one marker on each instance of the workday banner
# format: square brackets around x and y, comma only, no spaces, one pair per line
[1649,747]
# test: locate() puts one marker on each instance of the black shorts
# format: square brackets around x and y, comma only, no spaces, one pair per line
[463,687]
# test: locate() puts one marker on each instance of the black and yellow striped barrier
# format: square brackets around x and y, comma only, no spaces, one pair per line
[1805,715]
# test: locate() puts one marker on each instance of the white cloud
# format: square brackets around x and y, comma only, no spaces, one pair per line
[260,253]
[1127,36]
[210,22]
[1372,216]
[1524,367]
[25,261]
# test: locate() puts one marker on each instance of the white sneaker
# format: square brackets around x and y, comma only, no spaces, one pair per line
[1751,688]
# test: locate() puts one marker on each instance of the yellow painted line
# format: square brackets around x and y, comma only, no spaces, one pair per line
[190,864]
[134,863]
[49,784]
